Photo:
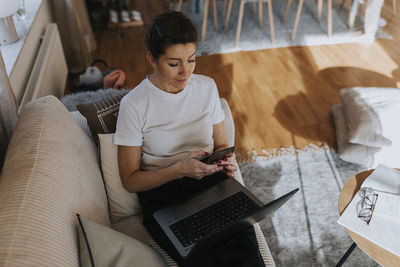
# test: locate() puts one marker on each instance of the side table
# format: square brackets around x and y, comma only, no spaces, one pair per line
[377,253]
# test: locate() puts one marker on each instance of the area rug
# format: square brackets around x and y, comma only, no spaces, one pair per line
[304,232]
[309,32]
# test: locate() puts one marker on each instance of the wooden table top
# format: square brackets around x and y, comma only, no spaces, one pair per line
[379,254]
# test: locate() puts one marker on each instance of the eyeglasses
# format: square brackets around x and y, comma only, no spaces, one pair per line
[365,207]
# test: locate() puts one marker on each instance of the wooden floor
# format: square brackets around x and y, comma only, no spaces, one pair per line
[278,97]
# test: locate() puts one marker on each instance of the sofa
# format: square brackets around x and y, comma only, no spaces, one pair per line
[52,172]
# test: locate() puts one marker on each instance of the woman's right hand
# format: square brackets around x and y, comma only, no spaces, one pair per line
[192,167]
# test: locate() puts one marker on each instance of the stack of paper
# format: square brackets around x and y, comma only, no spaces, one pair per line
[388,206]
[384,227]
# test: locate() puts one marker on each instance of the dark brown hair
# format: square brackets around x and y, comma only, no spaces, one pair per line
[168,29]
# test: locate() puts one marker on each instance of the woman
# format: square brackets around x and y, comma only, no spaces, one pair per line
[165,124]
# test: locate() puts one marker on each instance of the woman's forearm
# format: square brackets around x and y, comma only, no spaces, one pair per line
[219,136]
[220,146]
[146,180]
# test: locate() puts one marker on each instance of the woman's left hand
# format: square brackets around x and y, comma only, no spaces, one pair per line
[229,164]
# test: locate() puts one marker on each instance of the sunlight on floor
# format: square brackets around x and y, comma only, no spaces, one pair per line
[364,56]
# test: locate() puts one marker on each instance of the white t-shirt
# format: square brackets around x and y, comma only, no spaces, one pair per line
[169,126]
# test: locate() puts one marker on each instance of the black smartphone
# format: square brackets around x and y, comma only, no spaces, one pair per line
[217,155]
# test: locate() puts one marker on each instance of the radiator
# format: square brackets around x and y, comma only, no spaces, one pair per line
[49,72]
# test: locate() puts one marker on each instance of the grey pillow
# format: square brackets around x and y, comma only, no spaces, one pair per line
[102,246]
[347,151]
[372,115]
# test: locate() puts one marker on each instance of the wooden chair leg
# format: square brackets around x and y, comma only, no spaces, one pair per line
[224,9]
[205,16]
[239,26]
[260,13]
[189,6]
[296,22]
[254,5]
[363,7]
[320,4]
[394,7]
[179,7]
[271,21]
[353,13]
[172,4]
[215,15]
[286,10]
[228,14]
[329,18]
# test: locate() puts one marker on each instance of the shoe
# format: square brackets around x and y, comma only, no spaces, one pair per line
[382,22]
[113,16]
[125,16]
[135,15]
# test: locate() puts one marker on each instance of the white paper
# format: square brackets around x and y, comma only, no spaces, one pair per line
[384,179]
[381,230]
[388,205]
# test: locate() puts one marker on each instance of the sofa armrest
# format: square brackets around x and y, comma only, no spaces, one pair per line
[51,172]
[229,126]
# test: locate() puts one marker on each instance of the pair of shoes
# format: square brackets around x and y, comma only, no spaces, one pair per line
[125,16]
[113,16]
[382,22]
[136,15]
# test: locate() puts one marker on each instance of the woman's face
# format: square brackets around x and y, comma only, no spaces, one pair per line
[174,67]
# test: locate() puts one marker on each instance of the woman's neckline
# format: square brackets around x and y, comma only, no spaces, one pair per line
[165,91]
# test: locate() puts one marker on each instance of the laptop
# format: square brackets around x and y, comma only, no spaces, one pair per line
[221,211]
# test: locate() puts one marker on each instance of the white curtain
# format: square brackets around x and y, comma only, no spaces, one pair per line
[76,33]
[8,111]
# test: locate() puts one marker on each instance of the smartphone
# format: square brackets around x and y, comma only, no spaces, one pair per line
[217,155]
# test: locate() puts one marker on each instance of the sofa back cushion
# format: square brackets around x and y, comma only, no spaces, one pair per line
[50,173]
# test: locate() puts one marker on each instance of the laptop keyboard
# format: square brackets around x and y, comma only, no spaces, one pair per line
[213,218]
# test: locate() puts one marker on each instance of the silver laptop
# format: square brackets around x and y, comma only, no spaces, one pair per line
[223,210]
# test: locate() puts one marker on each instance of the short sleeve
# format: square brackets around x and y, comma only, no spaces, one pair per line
[129,127]
[218,114]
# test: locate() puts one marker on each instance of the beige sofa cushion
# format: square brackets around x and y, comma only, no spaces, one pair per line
[229,125]
[133,227]
[51,172]
[102,246]
[121,202]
